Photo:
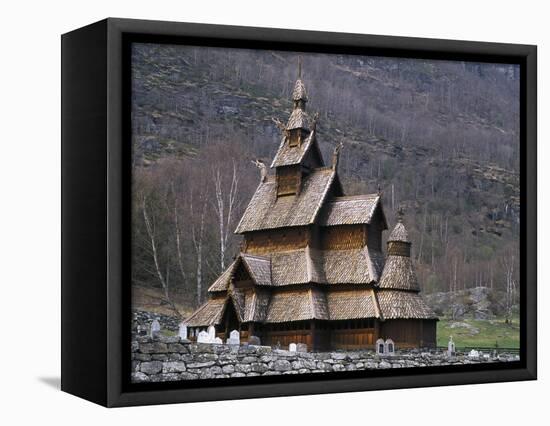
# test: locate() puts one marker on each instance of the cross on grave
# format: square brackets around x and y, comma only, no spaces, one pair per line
[451,348]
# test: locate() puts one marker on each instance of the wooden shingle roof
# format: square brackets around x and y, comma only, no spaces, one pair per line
[352,266]
[355,266]
[291,155]
[399,274]
[396,304]
[259,268]
[299,91]
[349,210]
[296,305]
[266,211]
[298,120]
[209,313]
[352,304]
[222,282]
[399,234]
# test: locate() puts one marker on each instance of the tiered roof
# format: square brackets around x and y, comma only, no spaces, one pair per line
[297,305]
[267,211]
[292,155]
[399,234]
[398,288]
[351,210]
[304,266]
[399,274]
[403,305]
[306,284]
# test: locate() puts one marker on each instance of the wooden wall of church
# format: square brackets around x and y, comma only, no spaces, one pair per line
[276,240]
[289,179]
[408,333]
[343,237]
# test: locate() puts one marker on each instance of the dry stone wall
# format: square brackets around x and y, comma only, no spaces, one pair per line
[169,359]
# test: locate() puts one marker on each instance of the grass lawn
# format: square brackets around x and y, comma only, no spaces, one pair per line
[479,333]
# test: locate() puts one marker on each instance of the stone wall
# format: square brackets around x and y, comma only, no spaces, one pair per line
[169,359]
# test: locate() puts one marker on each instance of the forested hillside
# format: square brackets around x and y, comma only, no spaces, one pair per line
[440,139]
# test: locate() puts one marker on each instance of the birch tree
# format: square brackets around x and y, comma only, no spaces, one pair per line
[197,234]
[150,228]
[224,206]
[176,215]
[508,262]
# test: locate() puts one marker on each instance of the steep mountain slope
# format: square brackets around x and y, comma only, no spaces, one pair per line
[438,138]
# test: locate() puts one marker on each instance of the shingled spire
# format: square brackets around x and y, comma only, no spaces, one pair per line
[298,154]
[398,271]
[298,126]
[399,243]
[299,95]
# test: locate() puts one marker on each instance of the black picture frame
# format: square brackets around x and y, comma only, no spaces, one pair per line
[95,211]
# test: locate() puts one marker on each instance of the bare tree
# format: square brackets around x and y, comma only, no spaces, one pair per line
[197,233]
[150,227]
[508,262]
[178,233]
[224,205]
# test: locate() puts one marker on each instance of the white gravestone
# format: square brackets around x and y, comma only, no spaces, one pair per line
[182,333]
[473,354]
[390,347]
[218,341]
[203,337]
[451,348]
[301,347]
[155,328]
[380,347]
[234,338]
[211,333]
[292,347]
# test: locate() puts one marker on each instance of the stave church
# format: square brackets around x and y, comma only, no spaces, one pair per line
[312,268]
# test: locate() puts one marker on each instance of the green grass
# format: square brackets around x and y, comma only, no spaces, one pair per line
[492,333]
[168,333]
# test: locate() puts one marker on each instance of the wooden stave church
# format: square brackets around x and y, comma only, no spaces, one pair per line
[311,268]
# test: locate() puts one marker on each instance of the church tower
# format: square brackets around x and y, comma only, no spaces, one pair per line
[298,152]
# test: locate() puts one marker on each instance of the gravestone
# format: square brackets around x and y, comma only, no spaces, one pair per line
[380,347]
[203,337]
[155,328]
[211,333]
[218,341]
[254,340]
[390,347]
[301,347]
[292,347]
[234,338]
[473,354]
[182,333]
[451,348]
